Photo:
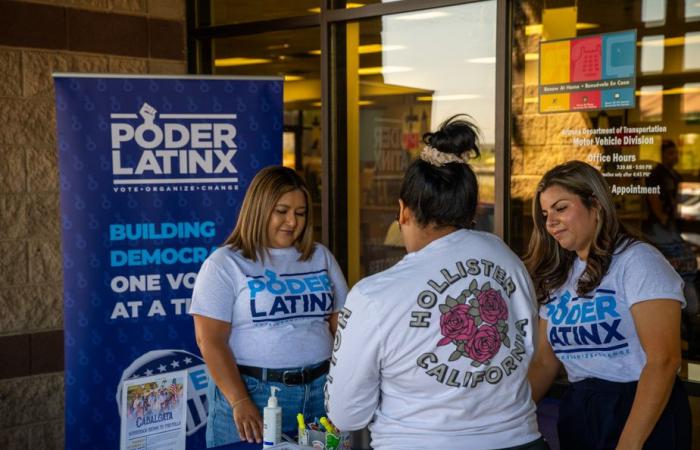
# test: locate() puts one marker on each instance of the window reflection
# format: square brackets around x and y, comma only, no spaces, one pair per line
[665,114]
[692,10]
[691,51]
[294,55]
[691,103]
[653,12]
[651,105]
[652,59]
[406,86]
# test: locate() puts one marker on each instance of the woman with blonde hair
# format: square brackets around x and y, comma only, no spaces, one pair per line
[265,309]
[610,309]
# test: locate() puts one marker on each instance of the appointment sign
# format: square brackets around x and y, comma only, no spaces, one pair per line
[153,171]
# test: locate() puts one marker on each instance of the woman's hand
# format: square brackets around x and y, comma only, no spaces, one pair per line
[333,323]
[248,421]
[658,324]
[544,366]
[212,339]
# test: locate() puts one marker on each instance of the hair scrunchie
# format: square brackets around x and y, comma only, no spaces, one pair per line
[437,158]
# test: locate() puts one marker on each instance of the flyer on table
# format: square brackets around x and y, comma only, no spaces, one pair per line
[154,413]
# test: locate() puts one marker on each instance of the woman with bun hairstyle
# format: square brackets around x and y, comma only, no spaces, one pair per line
[265,309]
[610,309]
[433,352]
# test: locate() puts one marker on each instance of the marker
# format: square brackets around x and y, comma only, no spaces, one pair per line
[327,425]
[303,437]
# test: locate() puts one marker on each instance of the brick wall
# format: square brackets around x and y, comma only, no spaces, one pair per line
[36,39]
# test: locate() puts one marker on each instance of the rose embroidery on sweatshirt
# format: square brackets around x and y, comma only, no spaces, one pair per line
[475,323]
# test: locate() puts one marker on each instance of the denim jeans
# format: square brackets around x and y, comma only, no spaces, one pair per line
[304,398]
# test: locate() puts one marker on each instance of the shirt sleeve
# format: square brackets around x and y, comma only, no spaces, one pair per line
[646,275]
[214,293]
[352,389]
[340,286]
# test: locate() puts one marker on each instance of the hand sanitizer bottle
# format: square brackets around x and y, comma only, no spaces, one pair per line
[272,420]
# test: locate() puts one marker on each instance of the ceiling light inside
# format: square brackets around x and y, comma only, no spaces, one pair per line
[228,62]
[360,103]
[535,29]
[691,38]
[368,48]
[317,10]
[377,48]
[447,97]
[382,70]
[277,46]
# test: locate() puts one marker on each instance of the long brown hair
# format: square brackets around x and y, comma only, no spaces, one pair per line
[250,233]
[549,264]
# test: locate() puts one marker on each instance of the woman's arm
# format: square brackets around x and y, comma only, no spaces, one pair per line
[352,389]
[658,324]
[544,365]
[333,323]
[340,290]
[212,339]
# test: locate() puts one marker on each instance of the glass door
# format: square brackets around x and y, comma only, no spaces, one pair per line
[405,74]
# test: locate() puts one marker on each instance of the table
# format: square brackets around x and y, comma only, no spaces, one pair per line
[240,446]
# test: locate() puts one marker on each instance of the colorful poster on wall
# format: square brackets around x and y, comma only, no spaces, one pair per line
[588,73]
[153,171]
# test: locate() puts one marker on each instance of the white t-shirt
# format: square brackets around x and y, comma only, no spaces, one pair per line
[594,336]
[435,350]
[278,308]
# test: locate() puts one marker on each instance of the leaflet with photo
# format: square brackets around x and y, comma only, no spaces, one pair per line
[154,412]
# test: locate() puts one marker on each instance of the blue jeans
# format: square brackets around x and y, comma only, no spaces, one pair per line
[304,398]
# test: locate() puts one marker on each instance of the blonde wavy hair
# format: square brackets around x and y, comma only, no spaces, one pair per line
[549,264]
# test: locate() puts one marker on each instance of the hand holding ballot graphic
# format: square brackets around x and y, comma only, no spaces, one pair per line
[148,113]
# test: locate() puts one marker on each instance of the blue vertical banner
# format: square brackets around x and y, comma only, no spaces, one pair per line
[153,171]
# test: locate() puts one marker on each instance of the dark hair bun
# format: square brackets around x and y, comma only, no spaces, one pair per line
[456,135]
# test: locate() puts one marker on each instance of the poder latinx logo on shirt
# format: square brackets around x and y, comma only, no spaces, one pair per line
[473,325]
[586,327]
[172,148]
[280,297]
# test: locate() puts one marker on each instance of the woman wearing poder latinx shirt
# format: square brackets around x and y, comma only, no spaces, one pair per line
[265,309]
[433,352]
[610,313]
